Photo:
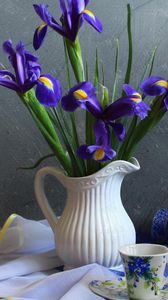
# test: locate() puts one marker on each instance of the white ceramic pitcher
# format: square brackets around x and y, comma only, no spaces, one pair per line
[94,223]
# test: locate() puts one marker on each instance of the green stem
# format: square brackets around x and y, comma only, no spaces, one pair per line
[77,168]
[75,56]
[44,123]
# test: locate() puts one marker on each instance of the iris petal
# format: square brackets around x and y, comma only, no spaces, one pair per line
[78,6]
[110,154]
[47,18]
[63,7]
[125,106]
[101,151]
[43,12]
[82,95]
[86,2]
[102,133]
[39,36]
[30,57]
[27,69]
[98,153]
[92,20]
[20,68]
[119,130]
[73,15]
[166,102]
[6,74]
[83,152]
[129,90]
[7,47]
[48,90]
[69,103]
[10,84]
[150,87]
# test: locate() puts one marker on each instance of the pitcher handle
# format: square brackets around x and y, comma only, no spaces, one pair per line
[41,196]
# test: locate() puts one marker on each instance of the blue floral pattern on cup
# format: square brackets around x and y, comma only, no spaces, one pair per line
[140,268]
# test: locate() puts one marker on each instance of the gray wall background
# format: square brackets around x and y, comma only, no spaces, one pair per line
[21,144]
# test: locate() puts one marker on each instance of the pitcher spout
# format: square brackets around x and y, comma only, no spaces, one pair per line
[119,166]
[135,164]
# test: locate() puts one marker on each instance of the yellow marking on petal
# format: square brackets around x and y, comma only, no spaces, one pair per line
[99,154]
[139,95]
[80,95]
[7,224]
[163,83]
[47,82]
[89,13]
[137,100]
[41,27]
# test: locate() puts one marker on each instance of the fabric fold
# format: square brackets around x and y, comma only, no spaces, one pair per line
[29,266]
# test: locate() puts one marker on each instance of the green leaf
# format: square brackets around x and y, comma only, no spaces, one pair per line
[86,71]
[146,124]
[103,77]
[75,142]
[45,125]
[130,58]
[92,166]
[77,168]
[96,72]
[116,71]
[130,46]
[149,66]
[75,56]
[90,140]
[65,121]
[122,154]
[105,96]
[74,136]
[37,162]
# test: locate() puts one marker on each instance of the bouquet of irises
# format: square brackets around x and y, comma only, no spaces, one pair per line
[113,127]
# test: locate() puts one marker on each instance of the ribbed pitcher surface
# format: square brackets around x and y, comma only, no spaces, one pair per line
[94,224]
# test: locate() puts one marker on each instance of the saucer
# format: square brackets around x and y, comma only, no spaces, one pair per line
[116,289]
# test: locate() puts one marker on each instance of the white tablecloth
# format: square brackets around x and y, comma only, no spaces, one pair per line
[28,265]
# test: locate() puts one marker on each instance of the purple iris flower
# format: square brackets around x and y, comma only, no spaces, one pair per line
[74,13]
[156,86]
[27,75]
[130,105]
[82,95]
[102,150]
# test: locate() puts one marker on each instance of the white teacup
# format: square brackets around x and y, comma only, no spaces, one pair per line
[144,266]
